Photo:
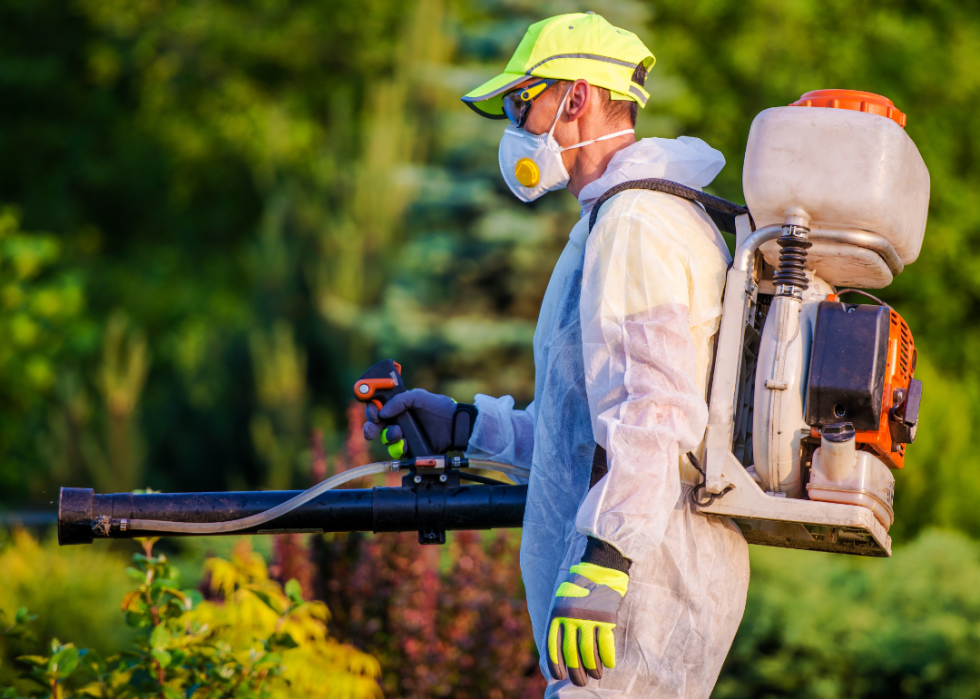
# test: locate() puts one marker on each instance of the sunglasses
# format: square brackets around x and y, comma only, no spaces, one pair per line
[517,103]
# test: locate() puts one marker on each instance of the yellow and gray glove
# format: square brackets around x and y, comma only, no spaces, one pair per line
[580,634]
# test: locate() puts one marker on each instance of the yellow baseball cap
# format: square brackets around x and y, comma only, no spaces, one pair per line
[569,47]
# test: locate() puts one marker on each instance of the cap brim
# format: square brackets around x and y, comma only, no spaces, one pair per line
[486,99]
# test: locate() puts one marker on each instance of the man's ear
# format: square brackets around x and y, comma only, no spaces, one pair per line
[579,100]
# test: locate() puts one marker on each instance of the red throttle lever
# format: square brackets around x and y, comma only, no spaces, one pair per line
[381,383]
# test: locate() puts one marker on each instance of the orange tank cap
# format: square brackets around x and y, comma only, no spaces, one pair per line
[852,99]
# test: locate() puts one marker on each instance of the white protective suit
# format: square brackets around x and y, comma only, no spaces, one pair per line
[622,355]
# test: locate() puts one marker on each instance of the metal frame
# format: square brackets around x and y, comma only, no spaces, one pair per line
[766,519]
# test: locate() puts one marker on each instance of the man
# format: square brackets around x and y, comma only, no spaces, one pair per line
[631,592]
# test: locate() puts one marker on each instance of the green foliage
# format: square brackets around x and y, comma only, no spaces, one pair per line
[51,672]
[125,363]
[819,626]
[277,428]
[42,320]
[257,640]
[74,592]
[17,629]
[39,308]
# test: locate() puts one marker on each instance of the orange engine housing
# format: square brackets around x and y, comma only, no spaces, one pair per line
[899,371]
[898,378]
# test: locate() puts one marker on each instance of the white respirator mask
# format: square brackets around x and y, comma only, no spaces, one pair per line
[531,164]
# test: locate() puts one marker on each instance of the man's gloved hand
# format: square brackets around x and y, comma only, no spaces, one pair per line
[580,635]
[447,423]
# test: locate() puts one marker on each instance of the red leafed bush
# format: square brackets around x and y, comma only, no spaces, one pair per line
[443,622]
[291,561]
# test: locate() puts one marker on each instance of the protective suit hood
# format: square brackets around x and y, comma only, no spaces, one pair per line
[685,160]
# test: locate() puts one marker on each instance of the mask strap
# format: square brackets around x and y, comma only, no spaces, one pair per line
[561,109]
[551,132]
[601,138]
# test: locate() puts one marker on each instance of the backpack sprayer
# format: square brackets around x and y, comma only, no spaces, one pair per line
[812,402]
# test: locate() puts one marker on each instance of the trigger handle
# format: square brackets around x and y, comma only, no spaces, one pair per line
[381,383]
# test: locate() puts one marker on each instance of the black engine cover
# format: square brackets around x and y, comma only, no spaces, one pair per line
[847,366]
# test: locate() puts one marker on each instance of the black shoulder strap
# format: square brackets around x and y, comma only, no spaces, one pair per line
[599,466]
[722,212]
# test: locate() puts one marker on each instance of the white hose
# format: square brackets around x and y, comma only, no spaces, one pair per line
[506,469]
[235,525]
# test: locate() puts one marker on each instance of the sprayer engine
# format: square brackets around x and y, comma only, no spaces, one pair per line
[862,404]
[861,373]
[853,396]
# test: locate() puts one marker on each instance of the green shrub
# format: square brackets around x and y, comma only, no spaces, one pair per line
[74,591]
[257,638]
[820,625]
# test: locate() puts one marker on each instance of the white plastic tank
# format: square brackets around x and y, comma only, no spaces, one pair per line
[844,158]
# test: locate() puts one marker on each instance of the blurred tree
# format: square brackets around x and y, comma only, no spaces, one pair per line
[279,428]
[168,164]
[125,363]
[42,321]
[113,459]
